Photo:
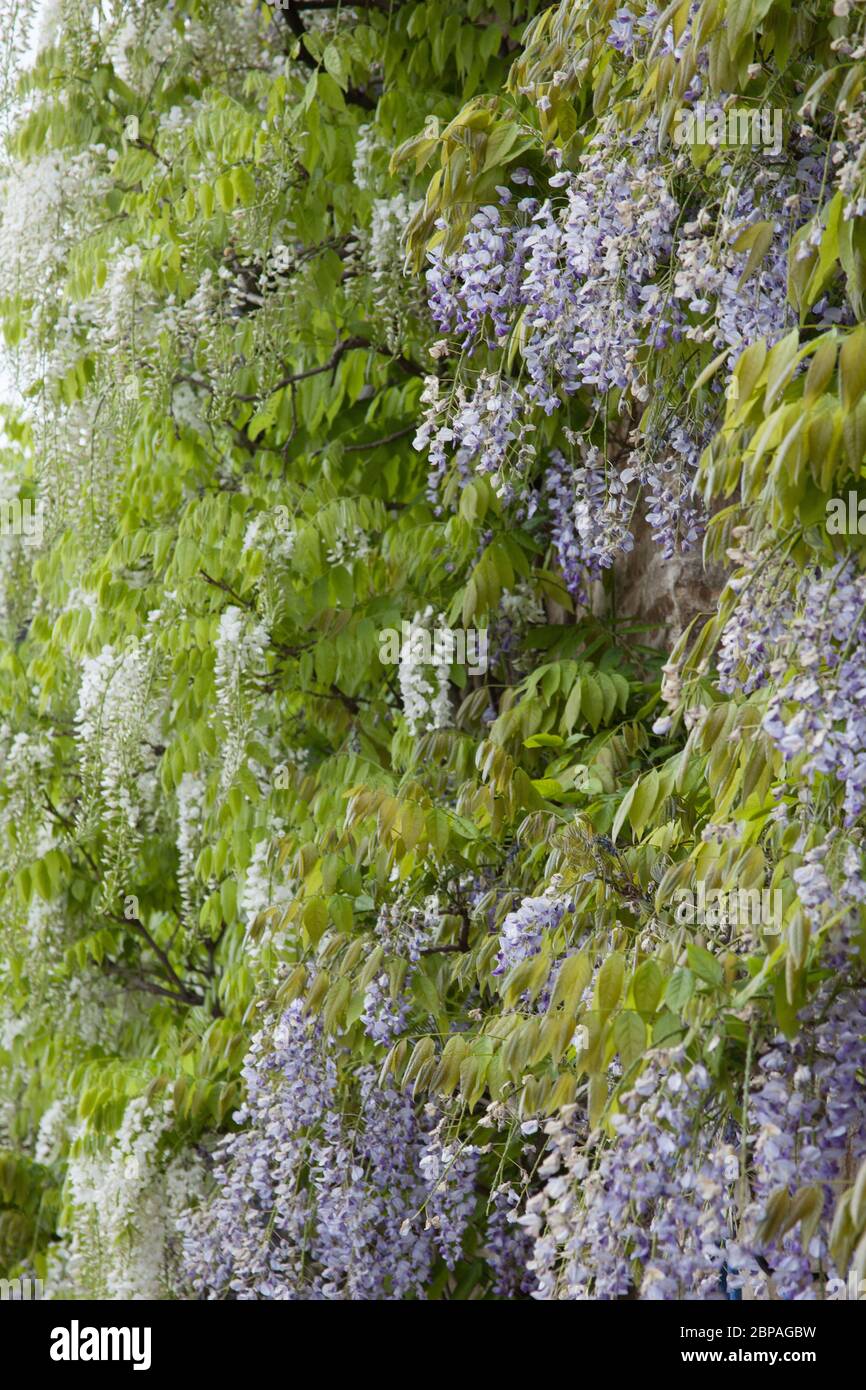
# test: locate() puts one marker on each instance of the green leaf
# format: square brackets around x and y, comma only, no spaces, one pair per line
[572,707]
[647,987]
[592,701]
[315,918]
[611,976]
[757,240]
[572,979]
[225,192]
[820,369]
[679,990]
[643,802]
[780,366]
[705,965]
[852,367]
[543,741]
[629,1033]
[244,185]
[333,60]
[623,810]
[228,899]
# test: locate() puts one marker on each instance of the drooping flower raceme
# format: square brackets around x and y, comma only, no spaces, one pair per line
[474,292]
[310,1203]
[450,1169]
[249,1239]
[508,1247]
[591,515]
[190,814]
[241,645]
[397,297]
[811,648]
[522,931]
[655,1206]
[124,1195]
[116,721]
[808,1128]
[424,674]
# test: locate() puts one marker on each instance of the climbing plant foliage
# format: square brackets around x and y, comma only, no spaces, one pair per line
[334,965]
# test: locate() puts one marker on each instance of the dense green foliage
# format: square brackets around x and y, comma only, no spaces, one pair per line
[215,799]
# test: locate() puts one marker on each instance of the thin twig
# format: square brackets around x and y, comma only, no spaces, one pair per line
[138,982]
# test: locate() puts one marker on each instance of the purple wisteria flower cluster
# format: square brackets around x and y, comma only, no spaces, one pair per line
[522,930]
[592,304]
[588,288]
[811,648]
[658,1212]
[320,1196]
[590,518]
[474,293]
[807,1128]
[592,506]
[596,284]
[759,623]
[308,1204]
[508,1247]
[664,466]
[653,1211]
[579,279]
[367,1189]
[403,929]
[450,1170]
[384,1017]
[629,33]
[581,275]
[482,423]
[709,267]
[249,1240]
